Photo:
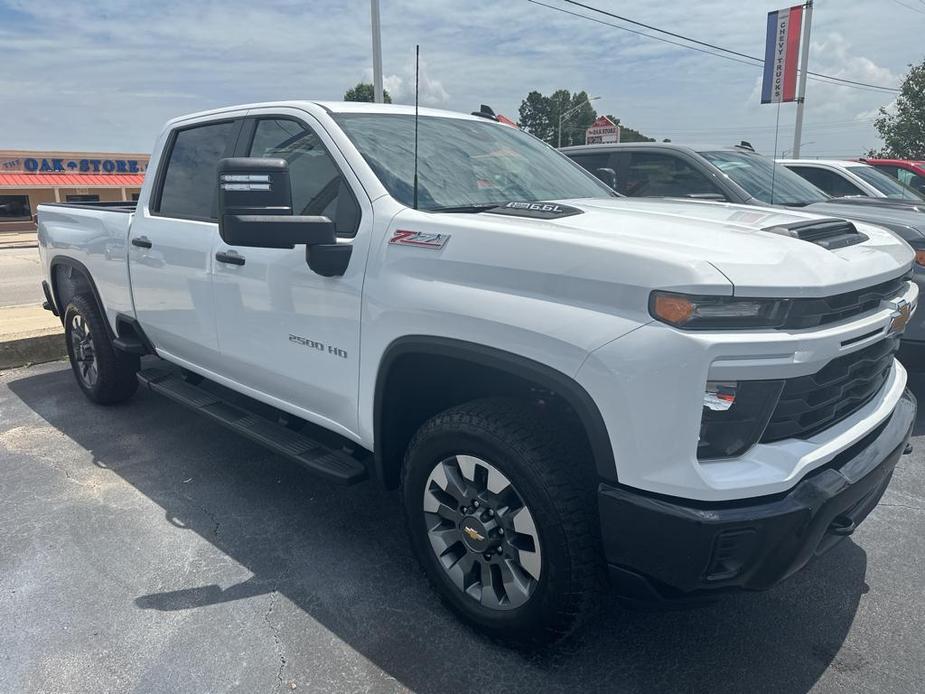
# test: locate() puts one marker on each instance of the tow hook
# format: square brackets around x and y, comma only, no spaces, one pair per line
[842,525]
[908,449]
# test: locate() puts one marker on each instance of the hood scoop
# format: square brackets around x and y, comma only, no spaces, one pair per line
[828,233]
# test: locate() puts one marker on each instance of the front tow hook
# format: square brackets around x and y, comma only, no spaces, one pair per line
[842,525]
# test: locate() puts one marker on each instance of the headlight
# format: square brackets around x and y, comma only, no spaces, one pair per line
[716,312]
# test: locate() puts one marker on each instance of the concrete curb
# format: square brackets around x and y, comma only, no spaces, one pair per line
[32,350]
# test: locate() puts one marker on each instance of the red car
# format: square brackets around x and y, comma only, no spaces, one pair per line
[910,172]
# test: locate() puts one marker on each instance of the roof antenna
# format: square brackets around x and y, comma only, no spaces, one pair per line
[417,58]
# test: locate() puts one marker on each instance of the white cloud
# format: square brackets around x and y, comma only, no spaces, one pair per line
[107,73]
[401,87]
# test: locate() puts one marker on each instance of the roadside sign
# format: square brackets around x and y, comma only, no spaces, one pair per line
[602,131]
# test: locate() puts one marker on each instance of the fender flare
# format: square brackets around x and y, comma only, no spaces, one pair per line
[67,261]
[567,387]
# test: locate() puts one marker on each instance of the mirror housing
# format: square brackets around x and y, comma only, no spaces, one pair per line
[255,207]
[255,210]
[607,176]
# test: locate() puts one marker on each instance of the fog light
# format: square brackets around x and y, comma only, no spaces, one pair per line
[719,395]
[734,416]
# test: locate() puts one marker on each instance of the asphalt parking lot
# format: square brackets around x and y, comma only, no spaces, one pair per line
[145,549]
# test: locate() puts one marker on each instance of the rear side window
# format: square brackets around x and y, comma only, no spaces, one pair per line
[832,183]
[189,185]
[318,188]
[663,175]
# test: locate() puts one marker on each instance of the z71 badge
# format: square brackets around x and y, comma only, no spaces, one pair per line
[421,239]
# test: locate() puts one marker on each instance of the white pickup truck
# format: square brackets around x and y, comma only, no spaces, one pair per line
[695,397]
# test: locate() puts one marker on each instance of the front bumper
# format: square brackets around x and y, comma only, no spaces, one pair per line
[659,547]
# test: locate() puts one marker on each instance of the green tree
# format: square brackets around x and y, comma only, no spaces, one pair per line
[539,116]
[902,129]
[628,134]
[363,91]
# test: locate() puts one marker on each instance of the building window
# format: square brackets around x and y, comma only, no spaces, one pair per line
[83,198]
[14,207]
[135,197]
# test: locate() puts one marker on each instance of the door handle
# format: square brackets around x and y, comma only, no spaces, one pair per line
[230,257]
[141,242]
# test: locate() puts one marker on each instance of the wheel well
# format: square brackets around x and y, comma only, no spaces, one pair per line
[415,383]
[70,278]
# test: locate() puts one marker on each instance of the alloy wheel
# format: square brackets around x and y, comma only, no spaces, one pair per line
[84,355]
[482,532]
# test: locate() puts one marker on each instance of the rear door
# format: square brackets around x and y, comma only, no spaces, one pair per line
[172,243]
[286,333]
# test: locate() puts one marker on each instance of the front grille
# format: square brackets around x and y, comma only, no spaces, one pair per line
[810,313]
[809,404]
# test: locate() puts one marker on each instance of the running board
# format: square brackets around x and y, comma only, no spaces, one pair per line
[334,465]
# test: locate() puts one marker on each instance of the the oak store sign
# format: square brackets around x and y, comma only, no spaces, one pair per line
[78,166]
[602,131]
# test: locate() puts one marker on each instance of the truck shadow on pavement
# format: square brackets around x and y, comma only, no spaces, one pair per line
[341,557]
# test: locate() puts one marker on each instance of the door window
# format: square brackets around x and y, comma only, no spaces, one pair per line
[653,174]
[318,188]
[828,181]
[189,184]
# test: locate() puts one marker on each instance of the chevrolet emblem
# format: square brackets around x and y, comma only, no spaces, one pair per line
[473,534]
[902,312]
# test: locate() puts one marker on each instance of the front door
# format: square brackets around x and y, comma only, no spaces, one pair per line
[173,241]
[289,335]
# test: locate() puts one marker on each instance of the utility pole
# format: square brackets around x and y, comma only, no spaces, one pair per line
[801,89]
[377,51]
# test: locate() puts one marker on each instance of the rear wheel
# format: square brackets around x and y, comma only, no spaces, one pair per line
[104,374]
[503,521]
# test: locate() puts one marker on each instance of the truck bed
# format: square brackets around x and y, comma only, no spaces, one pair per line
[95,236]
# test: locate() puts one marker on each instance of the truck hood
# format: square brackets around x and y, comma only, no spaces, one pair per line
[900,216]
[734,240]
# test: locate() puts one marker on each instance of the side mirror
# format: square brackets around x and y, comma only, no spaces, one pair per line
[607,175]
[255,210]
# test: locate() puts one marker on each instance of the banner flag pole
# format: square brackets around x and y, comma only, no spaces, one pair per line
[804,66]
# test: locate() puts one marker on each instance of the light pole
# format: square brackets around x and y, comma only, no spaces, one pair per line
[572,110]
[784,153]
[377,51]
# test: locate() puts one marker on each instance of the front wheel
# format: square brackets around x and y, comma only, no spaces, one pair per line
[503,520]
[104,374]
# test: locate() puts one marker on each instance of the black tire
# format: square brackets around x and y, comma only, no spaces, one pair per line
[549,470]
[104,374]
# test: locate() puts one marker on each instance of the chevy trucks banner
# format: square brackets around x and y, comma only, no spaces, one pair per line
[781,55]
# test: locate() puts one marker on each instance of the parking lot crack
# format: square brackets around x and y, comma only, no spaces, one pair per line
[277,644]
[906,506]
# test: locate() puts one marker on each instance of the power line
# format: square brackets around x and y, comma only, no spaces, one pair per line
[639,33]
[714,47]
[908,7]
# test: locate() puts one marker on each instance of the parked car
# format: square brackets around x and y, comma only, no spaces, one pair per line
[698,398]
[910,173]
[849,178]
[740,175]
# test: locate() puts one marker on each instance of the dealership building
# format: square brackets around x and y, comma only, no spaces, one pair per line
[28,179]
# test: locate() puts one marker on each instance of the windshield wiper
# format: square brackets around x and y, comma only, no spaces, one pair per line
[471,209]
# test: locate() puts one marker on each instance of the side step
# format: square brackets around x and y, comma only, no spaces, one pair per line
[334,465]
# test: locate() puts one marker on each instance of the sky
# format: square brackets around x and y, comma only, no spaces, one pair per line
[106,74]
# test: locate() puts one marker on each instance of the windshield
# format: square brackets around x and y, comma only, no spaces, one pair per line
[887,185]
[464,163]
[753,173]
